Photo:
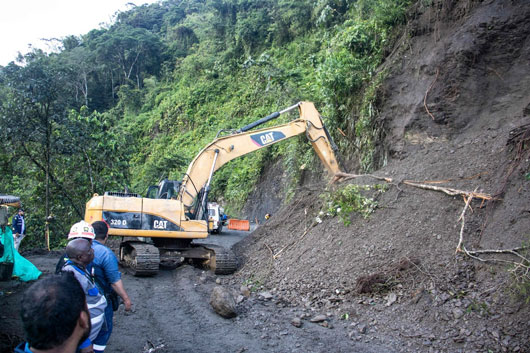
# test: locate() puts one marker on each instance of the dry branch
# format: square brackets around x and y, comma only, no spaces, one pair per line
[277,255]
[513,251]
[348,176]
[522,266]
[270,250]
[520,269]
[448,191]
[460,247]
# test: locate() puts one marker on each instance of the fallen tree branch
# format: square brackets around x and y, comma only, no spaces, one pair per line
[271,262]
[448,191]
[431,276]
[460,247]
[468,197]
[502,251]
[521,269]
[513,251]
[270,250]
[348,176]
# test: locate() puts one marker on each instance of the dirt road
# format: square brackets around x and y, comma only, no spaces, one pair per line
[171,313]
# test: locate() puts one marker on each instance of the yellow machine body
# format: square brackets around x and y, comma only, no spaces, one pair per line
[144,217]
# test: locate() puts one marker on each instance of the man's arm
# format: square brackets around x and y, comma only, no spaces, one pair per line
[118,288]
[109,263]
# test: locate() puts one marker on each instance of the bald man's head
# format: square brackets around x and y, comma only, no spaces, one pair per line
[80,251]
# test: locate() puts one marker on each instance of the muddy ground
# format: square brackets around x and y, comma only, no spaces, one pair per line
[454,112]
[171,313]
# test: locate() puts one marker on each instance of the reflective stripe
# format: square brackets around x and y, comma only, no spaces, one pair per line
[97,319]
[97,347]
[100,302]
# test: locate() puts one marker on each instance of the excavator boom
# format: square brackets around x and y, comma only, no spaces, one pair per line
[224,149]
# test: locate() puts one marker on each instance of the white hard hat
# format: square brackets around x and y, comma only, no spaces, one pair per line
[82,230]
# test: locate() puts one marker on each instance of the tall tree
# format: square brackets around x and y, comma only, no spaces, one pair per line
[133,52]
[34,110]
[80,63]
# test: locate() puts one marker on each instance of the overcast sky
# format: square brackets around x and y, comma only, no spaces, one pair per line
[24,22]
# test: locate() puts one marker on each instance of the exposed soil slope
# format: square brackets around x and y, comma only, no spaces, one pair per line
[457,91]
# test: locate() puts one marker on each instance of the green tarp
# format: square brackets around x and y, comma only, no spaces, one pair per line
[22,268]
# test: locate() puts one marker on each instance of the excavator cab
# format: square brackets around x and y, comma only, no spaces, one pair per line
[166,189]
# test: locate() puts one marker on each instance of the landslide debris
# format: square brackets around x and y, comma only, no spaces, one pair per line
[455,111]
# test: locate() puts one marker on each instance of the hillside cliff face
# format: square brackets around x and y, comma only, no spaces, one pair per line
[455,110]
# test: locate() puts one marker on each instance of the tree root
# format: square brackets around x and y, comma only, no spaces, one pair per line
[427,93]
[521,268]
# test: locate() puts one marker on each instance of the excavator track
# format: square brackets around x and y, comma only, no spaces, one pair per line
[140,258]
[143,259]
[222,260]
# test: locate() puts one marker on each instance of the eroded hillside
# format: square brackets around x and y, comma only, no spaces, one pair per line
[455,113]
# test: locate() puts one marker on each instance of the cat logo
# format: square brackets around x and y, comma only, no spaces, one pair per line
[267,138]
[159,224]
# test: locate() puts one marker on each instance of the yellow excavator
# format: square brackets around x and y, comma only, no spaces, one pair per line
[159,229]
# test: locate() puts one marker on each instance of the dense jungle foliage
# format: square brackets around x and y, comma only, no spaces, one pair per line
[129,104]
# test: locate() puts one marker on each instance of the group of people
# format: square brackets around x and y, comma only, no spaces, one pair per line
[72,311]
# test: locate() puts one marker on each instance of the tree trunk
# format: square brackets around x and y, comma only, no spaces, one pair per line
[48,147]
[85,91]
[112,85]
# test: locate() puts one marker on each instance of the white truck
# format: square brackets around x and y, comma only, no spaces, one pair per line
[216,218]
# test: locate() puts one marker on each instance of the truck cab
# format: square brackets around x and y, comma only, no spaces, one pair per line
[215,218]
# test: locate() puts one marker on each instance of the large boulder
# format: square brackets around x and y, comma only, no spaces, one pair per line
[222,301]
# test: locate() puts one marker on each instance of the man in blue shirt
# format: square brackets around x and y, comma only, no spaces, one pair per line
[108,277]
[19,227]
[54,315]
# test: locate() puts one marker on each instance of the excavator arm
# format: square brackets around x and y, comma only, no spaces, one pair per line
[243,141]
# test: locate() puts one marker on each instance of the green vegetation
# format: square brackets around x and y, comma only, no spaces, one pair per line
[479,307]
[127,105]
[351,199]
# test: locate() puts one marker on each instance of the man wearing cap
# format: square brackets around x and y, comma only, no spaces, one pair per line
[19,227]
[79,230]
[80,254]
